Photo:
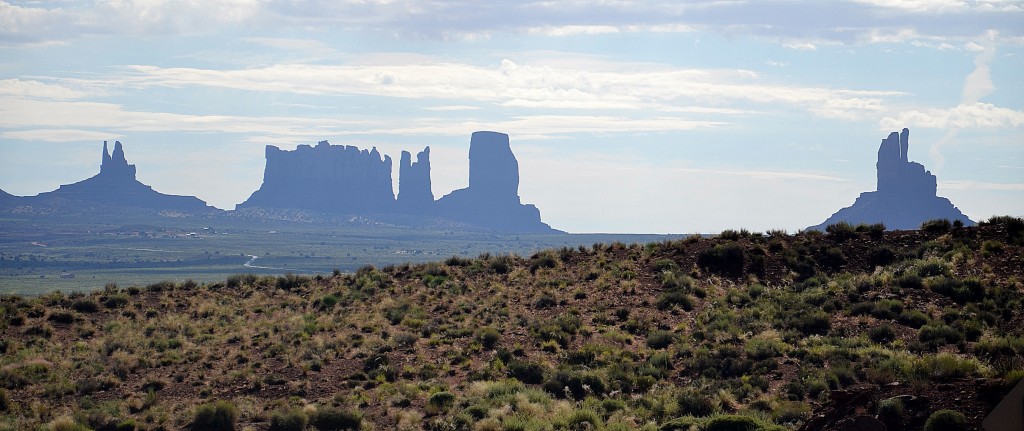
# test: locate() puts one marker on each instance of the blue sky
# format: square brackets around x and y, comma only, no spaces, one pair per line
[626,116]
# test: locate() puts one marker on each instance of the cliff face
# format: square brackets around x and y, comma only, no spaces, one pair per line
[414,192]
[906,194]
[492,198]
[327,178]
[116,185]
[345,180]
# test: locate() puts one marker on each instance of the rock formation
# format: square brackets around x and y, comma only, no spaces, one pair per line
[492,198]
[414,192]
[338,179]
[116,185]
[345,180]
[905,196]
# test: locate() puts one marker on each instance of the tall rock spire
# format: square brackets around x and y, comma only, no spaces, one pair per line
[414,192]
[906,192]
[115,165]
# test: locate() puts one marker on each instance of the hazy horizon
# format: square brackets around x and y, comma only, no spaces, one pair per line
[625,117]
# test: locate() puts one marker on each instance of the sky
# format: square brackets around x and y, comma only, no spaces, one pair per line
[625,116]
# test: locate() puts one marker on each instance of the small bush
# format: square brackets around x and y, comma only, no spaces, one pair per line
[841,231]
[217,416]
[660,339]
[85,306]
[695,403]
[937,226]
[913,318]
[440,402]
[882,334]
[732,423]
[333,419]
[288,420]
[115,301]
[526,372]
[891,412]
[66,424]
[725,260]
[946,420]
[670,298]
[5,401]
[937,335]
[489,337]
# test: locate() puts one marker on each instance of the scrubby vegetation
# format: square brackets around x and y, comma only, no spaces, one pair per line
[739,332]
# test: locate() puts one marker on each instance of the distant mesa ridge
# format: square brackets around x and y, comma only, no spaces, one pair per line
[116,185]
[345,180]
[905,196]
[327,178]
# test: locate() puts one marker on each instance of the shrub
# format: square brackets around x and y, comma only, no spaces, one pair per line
[66,424]
[328,301]
[583,420]
[725,259]
[288,420]
[660,339]
[913,318]
[937,226]
[669,298]
[489,337]
[441,401]
[812,322]
[960,291]
[217,416]
[333,419]
[881,256]
[936,335]
[115,301]
[891,412]
[5,401]
[732,423]
[85,306]
[695,403]
[946,420]
[526,372]
[841,231]
[883,333]
[63,317]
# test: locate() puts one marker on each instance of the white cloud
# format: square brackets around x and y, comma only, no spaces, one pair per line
[980,185]
[58,135]
[975,115]
[801,46]
[36,89]
[523,85]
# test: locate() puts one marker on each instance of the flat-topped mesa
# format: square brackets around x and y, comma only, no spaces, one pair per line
[414,189]
[328,178]
[492,198]
[493,169]
[898,175]
[905,195]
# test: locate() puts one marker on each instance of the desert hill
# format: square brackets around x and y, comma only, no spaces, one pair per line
[741,331]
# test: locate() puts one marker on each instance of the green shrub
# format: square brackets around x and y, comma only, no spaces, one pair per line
[946,420]
[660,339]
[881,256]
[841,231]
[66,424]
[882,334]
[937,226]
[288,420]
[811,322]
[333,419]
[440,402]
[489,337]
[216,416]
[725,260]
[937,335]
[115,301]
[680,424]
[732,423]
[5,401]
[913,318]
[696,403]
[962,292]
[891,412]
[85,306]
[669,298]
[328,301]
[526,372]
[583,420]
